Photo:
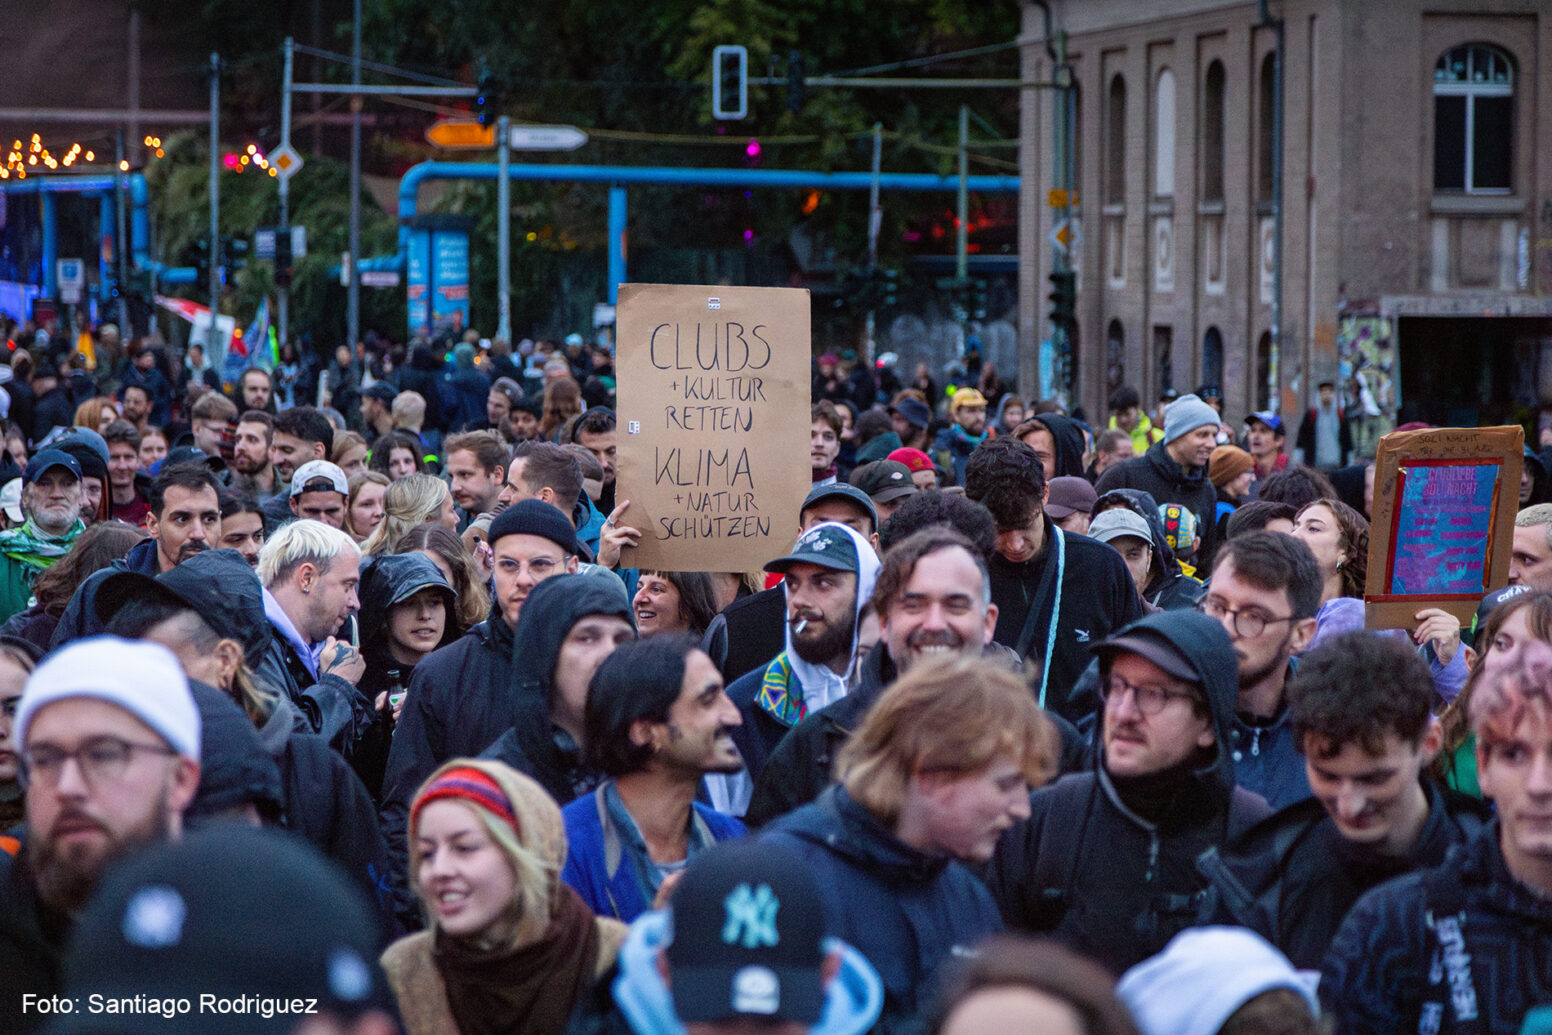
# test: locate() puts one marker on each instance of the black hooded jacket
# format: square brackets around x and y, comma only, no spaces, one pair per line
[385,581]
[1158,473]
[1069,443]
[532,744]
[1292,877]
[423,374]
[1089,869]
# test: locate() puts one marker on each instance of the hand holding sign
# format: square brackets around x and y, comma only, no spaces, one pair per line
[615,537]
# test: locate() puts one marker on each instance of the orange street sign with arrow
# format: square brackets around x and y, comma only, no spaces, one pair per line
[465,133]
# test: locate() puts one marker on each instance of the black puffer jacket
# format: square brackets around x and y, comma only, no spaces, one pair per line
[1292,877]
[1109,867]
[532,744]
[1157,473]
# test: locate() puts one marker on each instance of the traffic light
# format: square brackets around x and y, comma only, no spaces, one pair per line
[283,258]
[485,99]
[234,256]
[1064,301]
[889,288]
[729,82]
[797,87]
[979,290]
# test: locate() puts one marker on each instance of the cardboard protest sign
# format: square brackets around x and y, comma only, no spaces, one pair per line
[712,442]
[1442,522]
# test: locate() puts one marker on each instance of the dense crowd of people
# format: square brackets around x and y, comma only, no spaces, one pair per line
[353,717]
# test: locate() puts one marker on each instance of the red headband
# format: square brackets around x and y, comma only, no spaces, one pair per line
[469,784]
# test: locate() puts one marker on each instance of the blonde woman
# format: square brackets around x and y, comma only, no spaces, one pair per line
[365,511]
[509,947]
[412,500]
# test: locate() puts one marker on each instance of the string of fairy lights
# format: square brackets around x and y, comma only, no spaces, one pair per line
[34,158]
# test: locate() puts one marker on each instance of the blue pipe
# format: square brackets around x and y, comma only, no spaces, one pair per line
[616,241]
[50,246]
[622,176]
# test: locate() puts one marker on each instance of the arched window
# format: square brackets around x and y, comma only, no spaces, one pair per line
[1261,391]
[1164,136]
[1115,142]
[1212,357]
[1473,120]
[1265,91]
[1212,133]
[1115,357]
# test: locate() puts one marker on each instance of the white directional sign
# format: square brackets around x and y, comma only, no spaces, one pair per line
[72,279]
[546,138]
[1065,236]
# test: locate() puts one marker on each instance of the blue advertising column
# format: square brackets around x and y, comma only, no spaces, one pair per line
[437,275]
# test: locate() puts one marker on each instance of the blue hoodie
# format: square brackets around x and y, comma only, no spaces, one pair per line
[852,1000]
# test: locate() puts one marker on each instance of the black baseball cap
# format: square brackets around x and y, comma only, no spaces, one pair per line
[218,584]
[748,936]
[1150,645]
[884,481]
[201,915]
[841,491]
[381,391]
[828,545]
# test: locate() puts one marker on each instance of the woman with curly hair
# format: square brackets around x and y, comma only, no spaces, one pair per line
[1338,536]
[410,501]
[446,551]
[397,454]
[562,401]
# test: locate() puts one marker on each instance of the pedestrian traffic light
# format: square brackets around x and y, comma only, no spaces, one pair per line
[729,82]
[1064,301]
[233,257]
[979,292]
[283,258]
[485,99]
[797,87]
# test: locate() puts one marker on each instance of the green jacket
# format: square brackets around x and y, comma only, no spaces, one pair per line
[24,552]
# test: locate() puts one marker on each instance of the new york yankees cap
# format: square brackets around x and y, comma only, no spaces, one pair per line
[747,936]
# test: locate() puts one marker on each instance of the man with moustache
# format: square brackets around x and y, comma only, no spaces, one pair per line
[1174,469]
[829,578]
[1105,864]
[110,742]
[185,518]
[51,498]
[933,599]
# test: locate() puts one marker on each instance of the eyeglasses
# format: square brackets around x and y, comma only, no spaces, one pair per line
[1248,623]
[1150,699]
[102,760]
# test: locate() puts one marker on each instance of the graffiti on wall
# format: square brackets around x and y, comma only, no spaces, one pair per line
[1366,354]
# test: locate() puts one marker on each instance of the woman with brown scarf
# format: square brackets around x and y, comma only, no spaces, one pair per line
[510,948]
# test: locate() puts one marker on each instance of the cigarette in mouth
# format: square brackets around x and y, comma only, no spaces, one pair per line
[798,629]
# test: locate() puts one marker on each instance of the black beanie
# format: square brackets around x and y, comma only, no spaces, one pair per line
[534,517]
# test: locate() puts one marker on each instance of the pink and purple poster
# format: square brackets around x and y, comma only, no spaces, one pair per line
[1444,521]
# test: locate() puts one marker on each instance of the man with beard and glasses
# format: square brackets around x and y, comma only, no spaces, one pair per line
[110,747]
[1265,590]
[657,721]
[51,498]
[829,579]
[185,519]
[251,470]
